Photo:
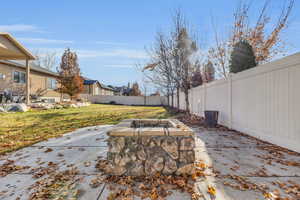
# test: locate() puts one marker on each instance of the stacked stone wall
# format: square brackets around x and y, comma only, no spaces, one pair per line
[147,155]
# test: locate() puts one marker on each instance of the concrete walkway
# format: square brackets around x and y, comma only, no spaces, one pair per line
[79,149]
[243,168]
[231,158]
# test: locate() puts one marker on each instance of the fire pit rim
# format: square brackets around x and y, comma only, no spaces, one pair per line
[124,128]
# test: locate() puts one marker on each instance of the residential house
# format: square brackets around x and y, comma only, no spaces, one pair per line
[94,87]
[11,49]
[108,91]
[27,79]
[42,81]
[122,91]
[155,94]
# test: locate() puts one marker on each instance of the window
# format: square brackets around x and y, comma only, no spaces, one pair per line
[51,83]
[22,77]
[2,76]
[19,77]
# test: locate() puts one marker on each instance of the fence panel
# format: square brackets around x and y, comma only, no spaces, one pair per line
[217,99]
[263,102]
[129,100]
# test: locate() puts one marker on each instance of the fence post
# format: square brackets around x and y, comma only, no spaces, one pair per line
[204,98]
[199,101]
[229,80]
[191,100]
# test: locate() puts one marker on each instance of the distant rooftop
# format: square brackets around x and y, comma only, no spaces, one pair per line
[88,81]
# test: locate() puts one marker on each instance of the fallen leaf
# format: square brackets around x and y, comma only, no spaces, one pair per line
[211,190]
[48,150]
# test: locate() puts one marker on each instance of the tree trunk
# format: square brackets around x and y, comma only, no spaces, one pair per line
[168,99]
[187,102]
[172,99]
[178,90]
[61,97]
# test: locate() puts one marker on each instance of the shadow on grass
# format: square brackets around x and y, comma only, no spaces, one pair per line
[49,116]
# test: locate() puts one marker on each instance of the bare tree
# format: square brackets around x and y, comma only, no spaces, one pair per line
[179,24]
[186,47]
[160,71]
[219,56]
[266,44]
[46,59]
[173,60]
[185,55]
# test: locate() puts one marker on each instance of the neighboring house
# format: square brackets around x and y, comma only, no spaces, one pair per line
[155,94]
[13,78]
[105,90]
[94,87]
[122,91]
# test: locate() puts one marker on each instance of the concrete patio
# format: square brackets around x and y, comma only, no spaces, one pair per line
[228,154]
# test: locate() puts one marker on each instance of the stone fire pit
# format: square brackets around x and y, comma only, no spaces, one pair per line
[140,147]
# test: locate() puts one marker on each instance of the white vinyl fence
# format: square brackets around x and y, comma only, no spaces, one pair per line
[129,100]
[263,102]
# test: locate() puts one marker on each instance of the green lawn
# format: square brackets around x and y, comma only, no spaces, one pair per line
[18,130]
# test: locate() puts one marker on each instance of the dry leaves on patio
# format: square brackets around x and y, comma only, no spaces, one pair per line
[242,183]
[156,187]
[42,171]
[190,119]
[9,167]
[59,185]
[290,187]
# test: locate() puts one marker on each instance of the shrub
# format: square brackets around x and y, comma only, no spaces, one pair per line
[112,102]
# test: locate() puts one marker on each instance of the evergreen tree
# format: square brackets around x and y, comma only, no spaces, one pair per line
[197,78]
[209,72]
[242,57]
[135,90]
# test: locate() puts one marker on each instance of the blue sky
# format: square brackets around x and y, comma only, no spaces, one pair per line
[110,36]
